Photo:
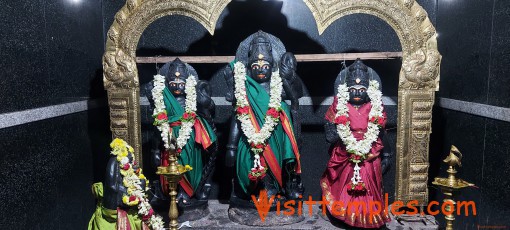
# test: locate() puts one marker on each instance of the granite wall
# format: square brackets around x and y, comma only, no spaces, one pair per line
[473,39]
[50,53]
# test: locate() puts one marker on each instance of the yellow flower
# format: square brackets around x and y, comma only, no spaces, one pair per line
[130,149]
[188,168]
[115,151]
[125,199]
[127,172]
[126,183]
[123,152]
[141,177]
[116,143]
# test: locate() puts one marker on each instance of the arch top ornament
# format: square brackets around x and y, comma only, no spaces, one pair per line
[420,64]
[132,19]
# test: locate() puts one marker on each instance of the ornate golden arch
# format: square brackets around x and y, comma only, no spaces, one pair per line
[419,78]
[120,73]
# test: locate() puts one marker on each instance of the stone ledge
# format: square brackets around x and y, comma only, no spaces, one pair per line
[218,219]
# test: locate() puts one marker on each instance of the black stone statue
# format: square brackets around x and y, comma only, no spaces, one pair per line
[357,97]
[114,189]
[199,153]
[118,202]
[263,56]
[355,168]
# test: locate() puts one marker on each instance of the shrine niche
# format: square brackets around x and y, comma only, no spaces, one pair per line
[120,74]
[418,80]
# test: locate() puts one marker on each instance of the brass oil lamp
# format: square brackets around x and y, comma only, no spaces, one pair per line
[451,185]
[173,173]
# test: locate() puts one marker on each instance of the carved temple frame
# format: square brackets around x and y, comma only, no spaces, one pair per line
[418,80]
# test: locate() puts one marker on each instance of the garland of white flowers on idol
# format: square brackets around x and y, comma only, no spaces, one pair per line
[359,149]
[132,176]
[187,119]
[256,139]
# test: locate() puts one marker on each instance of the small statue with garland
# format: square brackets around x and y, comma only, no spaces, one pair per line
[123,201]
[360,152]
[183,108]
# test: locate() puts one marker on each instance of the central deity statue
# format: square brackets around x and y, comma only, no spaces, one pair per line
[264,132]
[360,151]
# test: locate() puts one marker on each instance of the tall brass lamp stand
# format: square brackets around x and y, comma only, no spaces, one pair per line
[451,185]
[173,173]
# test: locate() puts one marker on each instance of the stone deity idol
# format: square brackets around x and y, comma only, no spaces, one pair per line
[183,106]
[264,132]
[360,152]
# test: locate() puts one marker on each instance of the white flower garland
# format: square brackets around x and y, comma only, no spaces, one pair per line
[257,138]
[159,103]
[190,109]
[189,115]
[362,147]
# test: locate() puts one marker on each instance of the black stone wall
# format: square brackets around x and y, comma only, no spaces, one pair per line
[473,39]
[50,53]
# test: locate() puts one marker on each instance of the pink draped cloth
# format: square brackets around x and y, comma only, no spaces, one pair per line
[335,180]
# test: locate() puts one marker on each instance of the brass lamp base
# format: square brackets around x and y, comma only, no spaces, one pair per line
[173,173]
[451,185]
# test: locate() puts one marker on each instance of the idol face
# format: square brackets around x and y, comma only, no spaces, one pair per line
[261,71]
[358,95]
[177,80]
[176,87]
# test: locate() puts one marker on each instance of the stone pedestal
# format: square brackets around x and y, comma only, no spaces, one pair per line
[251,217]
[412,222]
[218,219]
[244,212]
[194,211]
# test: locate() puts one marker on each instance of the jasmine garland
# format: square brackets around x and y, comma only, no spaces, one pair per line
[257,139]
[161,119]
[187,119]
[359,149]
[189,116]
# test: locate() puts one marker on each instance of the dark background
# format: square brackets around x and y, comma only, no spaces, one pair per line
[51,54]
